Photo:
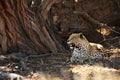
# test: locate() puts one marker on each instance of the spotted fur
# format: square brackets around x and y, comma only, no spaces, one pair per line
[83,50]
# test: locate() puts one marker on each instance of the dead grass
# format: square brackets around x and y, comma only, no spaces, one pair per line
[94,73]
[80,72]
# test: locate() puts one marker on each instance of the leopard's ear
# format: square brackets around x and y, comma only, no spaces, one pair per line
[81,35]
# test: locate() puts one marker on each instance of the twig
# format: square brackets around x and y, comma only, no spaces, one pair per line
[109,39]
[45,55]
[42,62]
[23,64]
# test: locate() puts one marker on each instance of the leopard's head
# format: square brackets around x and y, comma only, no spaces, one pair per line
[77,40]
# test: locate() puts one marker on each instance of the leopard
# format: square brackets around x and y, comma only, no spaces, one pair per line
[83,51]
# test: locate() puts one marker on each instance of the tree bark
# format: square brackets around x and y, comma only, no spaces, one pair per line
[39,26]
[23,28]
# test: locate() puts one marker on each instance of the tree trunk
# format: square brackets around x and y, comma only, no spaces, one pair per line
[38,26]
[23,28]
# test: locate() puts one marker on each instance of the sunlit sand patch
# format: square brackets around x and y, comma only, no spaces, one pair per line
[43,76]
[86,72]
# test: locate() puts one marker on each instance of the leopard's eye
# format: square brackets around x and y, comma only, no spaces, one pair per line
[79,48]
[73,44]
[76,46]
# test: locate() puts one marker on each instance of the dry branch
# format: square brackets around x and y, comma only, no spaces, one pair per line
[93,21]
[10,76]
